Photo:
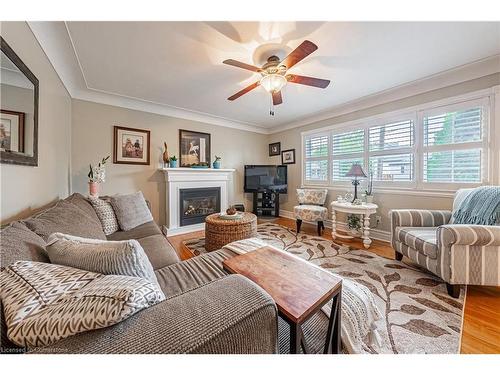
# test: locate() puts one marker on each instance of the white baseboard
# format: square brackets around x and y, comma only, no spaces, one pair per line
[375,233]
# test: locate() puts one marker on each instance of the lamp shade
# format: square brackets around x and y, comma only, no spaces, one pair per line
[356,171]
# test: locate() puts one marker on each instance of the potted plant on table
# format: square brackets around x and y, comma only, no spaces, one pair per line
[354,224]
[173,162]
[96,175]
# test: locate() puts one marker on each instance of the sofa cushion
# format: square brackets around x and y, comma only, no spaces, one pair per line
[44,302]
[156,246]
[83,203]
[65,218]
[131,210]
[106,215]
[192,273]
[107,257]
[159,251]
[147,229]
[17,242]
[422,239]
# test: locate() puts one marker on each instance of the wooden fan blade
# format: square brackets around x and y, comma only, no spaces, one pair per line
[309,81]
[239,64]
[244,91]
[299,53]
[277,98]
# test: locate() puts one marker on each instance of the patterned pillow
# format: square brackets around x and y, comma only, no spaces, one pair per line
[106,215]
[107,257]
[131,210]
[44,302]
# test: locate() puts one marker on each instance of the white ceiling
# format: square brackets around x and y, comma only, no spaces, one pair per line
[179,64]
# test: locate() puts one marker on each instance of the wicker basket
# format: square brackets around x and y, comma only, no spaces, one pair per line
[220,232]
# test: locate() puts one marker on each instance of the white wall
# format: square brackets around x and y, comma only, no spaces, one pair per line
[93,139]
[24,189]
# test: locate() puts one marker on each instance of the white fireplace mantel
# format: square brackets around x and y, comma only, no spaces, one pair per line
[186,178]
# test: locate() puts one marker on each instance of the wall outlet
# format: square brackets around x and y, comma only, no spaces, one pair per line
[378,219]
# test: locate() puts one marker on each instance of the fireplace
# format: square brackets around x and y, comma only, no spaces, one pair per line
[197,203]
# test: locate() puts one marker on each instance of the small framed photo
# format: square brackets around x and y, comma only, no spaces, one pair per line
[11,131]
[288,156]
[131,146]
[194,148]
[275,149]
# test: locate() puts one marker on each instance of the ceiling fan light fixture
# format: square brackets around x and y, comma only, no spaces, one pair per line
[273,82]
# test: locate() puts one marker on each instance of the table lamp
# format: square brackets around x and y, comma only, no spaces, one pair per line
[356,171]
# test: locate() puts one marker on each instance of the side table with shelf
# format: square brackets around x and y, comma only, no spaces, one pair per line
[365,210]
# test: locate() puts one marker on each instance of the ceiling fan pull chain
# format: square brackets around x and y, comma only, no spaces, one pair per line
[271,106]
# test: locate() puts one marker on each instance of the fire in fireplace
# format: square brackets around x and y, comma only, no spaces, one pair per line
[198,203]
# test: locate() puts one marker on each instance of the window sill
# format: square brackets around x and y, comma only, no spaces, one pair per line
[387,191]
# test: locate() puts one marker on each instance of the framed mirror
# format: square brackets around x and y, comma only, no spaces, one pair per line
[18,110]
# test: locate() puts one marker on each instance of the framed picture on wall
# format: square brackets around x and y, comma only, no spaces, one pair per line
[131,146]
[11,131]
[274,149]
[288,156]
[194,148]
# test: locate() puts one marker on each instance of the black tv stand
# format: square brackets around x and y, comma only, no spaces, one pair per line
[266,203]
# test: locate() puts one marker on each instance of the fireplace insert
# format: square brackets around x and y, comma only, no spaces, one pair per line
[198,203]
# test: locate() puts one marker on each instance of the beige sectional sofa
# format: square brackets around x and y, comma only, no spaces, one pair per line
[206,310]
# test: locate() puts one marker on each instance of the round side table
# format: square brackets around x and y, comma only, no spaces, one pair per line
[220,232]
[365,210]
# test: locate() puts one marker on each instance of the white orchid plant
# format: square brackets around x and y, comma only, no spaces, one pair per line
[97,173]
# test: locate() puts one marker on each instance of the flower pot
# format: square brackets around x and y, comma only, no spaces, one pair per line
[94,189]
[173,163]
[216,164]
[369,199]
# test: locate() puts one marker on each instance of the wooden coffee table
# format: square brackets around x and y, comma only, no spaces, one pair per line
[298,287]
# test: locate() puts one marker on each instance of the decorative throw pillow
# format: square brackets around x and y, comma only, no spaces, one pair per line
[19,243]
[45,302]
[107,257]
[106,215]
[66,218]
[131,210]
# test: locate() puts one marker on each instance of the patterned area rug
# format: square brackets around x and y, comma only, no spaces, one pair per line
[420,317]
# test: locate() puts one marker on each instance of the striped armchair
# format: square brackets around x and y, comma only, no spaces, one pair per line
[457,253]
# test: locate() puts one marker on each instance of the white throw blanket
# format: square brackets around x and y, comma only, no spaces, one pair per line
[359,311]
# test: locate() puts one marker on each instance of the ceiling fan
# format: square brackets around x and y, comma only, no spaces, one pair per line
[274,73]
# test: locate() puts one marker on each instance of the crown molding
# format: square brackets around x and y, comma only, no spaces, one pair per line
[463,73]
[55,40]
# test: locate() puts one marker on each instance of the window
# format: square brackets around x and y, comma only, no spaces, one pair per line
[452,146]
[347,149]
[391,151]
[316,158]
[426,148]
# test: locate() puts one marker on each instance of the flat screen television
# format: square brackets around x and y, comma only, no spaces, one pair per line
[260,178]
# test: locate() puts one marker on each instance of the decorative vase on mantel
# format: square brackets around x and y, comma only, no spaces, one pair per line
[166,158]
[94,188]
[217,162]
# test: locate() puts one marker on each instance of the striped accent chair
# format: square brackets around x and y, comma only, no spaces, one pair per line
[457,253]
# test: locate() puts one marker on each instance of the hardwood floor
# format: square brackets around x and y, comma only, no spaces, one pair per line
[481,324]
